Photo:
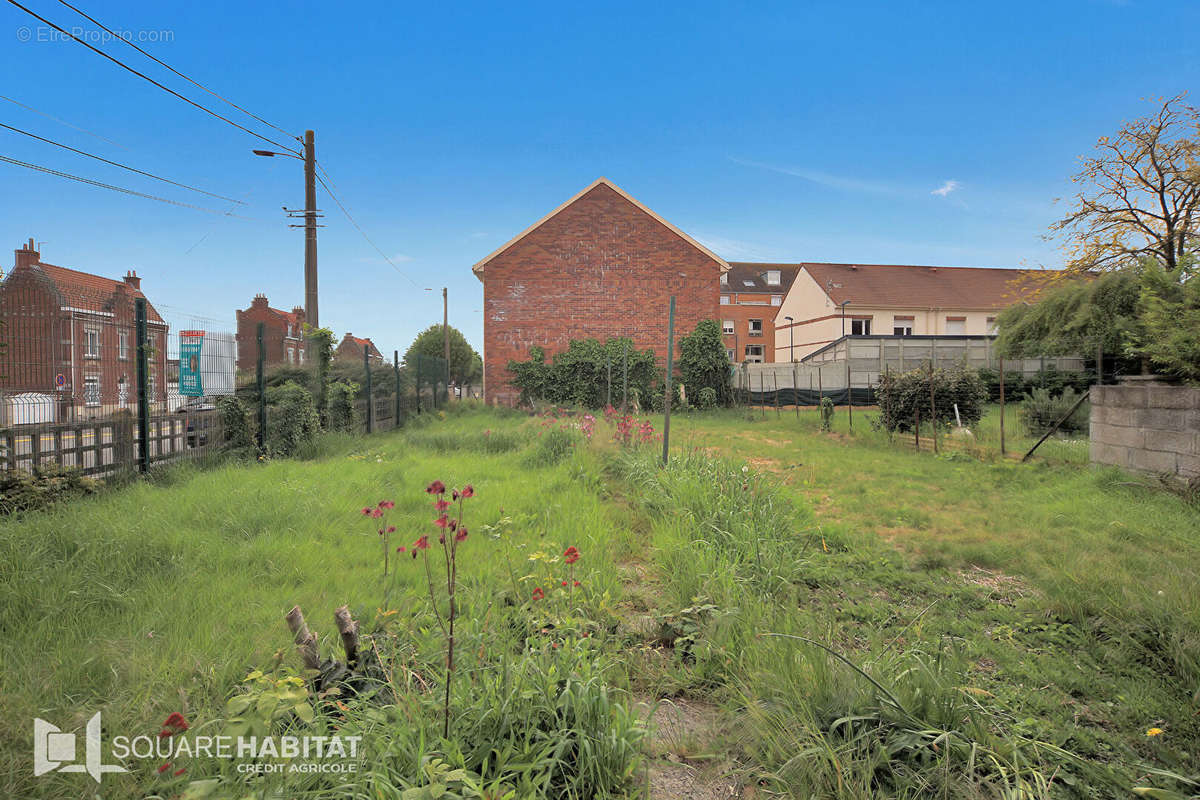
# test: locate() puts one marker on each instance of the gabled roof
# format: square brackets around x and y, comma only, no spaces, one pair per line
[360,343]
[751,278]
[83,290]
[478,268]
[910,286]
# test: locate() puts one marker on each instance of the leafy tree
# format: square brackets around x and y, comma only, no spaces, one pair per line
[465,364]
[1139,196]
[902,395]
[320,352]
[1169,309]
[703,363]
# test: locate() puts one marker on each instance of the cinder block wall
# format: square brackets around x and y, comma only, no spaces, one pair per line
[1148,427]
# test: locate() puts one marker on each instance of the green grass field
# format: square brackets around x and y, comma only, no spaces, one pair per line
[862,620]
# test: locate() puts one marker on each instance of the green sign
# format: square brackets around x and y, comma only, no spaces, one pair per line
[190,345]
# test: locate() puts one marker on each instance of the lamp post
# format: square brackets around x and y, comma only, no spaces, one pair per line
[310,224]
[791,339]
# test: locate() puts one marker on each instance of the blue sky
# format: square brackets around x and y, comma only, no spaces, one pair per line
[769,131]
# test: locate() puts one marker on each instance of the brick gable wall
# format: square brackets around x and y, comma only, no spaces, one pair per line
[601,267]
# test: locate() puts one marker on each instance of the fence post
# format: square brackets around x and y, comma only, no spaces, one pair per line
[370,402]
[775,383]
[261,383]
[416,368]
[608,364]
[849,394]
[1002,406]
[796,388]
[143,379]
[396,371]
[668,395]
[932,409]
[625,377]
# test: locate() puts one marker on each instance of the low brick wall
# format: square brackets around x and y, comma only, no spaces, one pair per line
[1147,426]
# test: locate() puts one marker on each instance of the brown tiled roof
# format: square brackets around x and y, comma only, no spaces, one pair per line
[87,291]
[751,277]
[917,286]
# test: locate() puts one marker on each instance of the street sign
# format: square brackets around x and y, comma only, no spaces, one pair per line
[60,381]
[190,345]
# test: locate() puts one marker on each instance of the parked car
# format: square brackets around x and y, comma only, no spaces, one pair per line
[201,421]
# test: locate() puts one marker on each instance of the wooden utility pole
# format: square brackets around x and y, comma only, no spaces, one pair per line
[446,337]
[310,231]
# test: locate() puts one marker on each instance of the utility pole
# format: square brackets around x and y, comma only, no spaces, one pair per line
[310,231]
[310,223]
[446,337]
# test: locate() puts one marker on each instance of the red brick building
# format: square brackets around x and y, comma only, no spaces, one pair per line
[351,348]
[600,265]
[751,295]
[283,335]
[70,340]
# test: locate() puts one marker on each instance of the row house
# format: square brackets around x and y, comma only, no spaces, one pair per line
[283,335]
[70,343]
[351,348]
[751,296]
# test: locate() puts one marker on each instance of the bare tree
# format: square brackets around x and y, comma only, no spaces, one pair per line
[1140,196]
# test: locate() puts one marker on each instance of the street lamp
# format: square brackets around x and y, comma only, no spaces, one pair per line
[310,223]
[791,339]
[843,305]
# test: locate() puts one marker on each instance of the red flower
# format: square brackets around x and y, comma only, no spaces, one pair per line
[468,491]
[538,594]
[571,554]
[437,487]
[164,767]
[421,544]
[176,721]
[576,583]
[391,529]
[462,534]
[442,538]
[387,504]
[164,733]
[179,771]
[400,549]
[453,524]
[366,512]
[564,583]
[377,513]
[454,494]
[442,505]
[381,531]
[442,521]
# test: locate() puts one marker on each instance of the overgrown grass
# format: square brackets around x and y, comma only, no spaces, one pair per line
[870,620]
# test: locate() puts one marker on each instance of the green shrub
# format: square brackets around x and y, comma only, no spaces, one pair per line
[343,413]
[1040,409]
[292,419]
[579,375]
[707,398]
[902,395]
[236,423]
[703,364]
[45,486]
[826,414]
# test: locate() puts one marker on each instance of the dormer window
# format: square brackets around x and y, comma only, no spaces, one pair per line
[724,278]
[773,277]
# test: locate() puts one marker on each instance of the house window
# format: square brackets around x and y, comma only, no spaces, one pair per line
[756,328]
[727,326]
[772,277]
[123,345]
[724,299]
[776,299]
[150,385]
[291,350]
[724,278]
[729,353]
[754,353]
[123,393]
[902,326]
[91,390]
[289,330]
[300,353]
[860,326]
[956,326]
[992,327]
[91,342]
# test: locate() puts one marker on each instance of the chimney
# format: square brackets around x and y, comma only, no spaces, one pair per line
[260,301]
[133,280]
[298,312]
[28,255]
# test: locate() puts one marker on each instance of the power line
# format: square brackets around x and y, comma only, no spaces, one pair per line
[122,166]
[63,122]
[333,197]
[144,76]
[121,189]
[172,69]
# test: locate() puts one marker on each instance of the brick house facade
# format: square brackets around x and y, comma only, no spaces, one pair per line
[351,348]
[283,335]
[70,337]
[600,265]
[751,295]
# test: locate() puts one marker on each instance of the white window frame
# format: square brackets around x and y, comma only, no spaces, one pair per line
[755,353]
[776,299]
[291,355]
[91,390]
[725,300]
[730,353]
[902,326]
[728,326]
[724,278]
[91,335]
[956,321]
[750,327]
[864,326]
[774,277]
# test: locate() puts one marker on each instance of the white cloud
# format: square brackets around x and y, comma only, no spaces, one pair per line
[736,249]
[946,188]
[844,183]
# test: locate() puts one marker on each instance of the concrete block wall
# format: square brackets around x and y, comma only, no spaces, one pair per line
[1147,426]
